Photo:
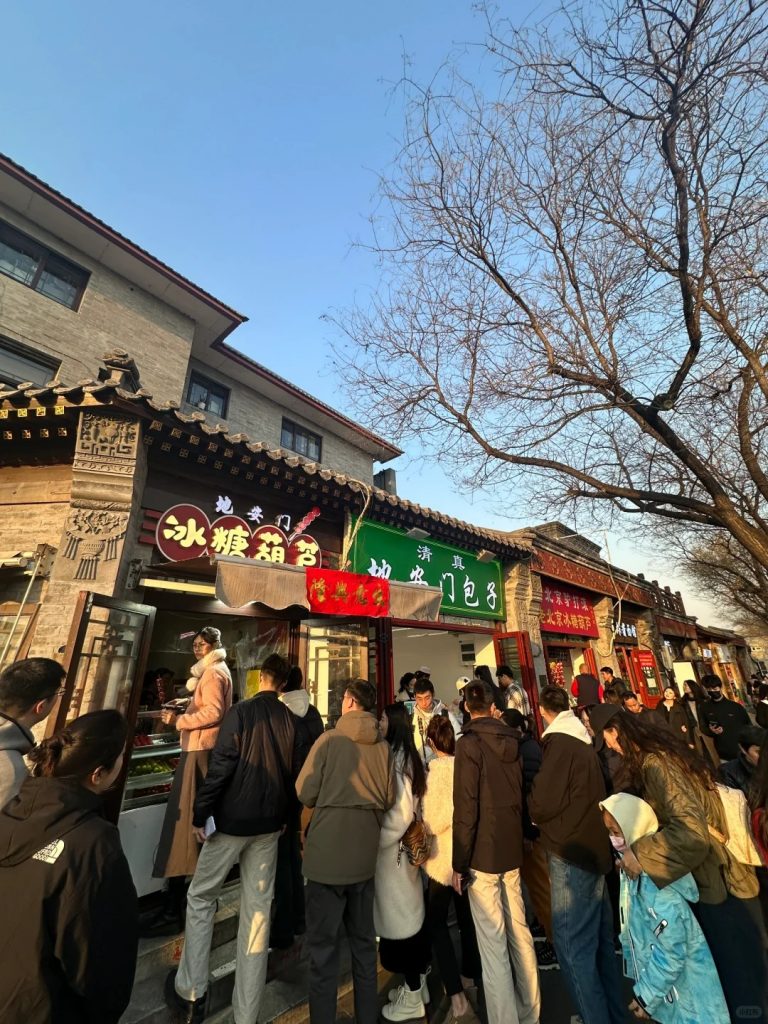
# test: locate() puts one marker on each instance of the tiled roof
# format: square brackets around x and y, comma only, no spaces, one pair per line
[512,544]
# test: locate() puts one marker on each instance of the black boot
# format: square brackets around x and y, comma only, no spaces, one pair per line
[186,1011]
[169,920]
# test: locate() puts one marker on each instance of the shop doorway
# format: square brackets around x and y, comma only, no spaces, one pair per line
[448,652]
[334,652]
[514,650]
[564,661]
[107,653]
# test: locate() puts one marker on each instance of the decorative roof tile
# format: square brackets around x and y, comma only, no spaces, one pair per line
[512,543]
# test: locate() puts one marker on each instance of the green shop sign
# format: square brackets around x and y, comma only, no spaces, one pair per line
[469,587]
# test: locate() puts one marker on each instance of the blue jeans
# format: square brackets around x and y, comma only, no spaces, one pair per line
[582,922]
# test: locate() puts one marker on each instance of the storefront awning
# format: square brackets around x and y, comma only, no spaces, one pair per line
[245,581]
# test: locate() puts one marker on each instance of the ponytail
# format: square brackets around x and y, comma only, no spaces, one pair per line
[92,741]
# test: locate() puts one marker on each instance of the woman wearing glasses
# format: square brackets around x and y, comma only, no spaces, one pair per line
[210,684]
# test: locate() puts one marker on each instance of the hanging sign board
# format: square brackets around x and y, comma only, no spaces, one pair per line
[330,592]
[470,588]
[184,532]
[566,611]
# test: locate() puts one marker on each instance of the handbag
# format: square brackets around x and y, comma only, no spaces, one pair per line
[416,843]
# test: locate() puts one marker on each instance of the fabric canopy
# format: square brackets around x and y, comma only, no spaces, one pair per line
[245,581]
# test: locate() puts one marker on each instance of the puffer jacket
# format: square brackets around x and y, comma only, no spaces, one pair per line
[685,809]
[666,954]
[487,799]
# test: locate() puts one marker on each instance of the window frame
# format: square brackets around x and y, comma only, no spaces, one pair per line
[292,427]
[43,360]
[195,377]
[43,253]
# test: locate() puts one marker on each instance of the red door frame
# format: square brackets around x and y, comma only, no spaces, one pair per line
[527,670]
[648,699]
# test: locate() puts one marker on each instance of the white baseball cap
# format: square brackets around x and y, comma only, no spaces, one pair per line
[462,681]
[425,670]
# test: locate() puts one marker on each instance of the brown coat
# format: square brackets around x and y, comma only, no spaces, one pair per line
[686,809]
[199,726]
[348,778]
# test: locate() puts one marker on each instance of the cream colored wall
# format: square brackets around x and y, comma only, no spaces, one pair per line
[441,651]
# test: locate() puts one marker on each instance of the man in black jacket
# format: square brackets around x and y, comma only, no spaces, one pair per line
[488,854]
[240,810]
[722,719]
[565,804]
[289,918]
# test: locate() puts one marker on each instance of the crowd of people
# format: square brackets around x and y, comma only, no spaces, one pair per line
[623,829]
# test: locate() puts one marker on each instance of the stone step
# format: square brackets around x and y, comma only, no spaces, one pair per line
[284,997]
[162,953]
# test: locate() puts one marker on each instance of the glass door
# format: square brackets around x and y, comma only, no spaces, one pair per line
[106,659]
[334,652]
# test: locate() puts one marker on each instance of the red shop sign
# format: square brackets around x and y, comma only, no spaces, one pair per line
[566,611]
[184,532]
[347,593]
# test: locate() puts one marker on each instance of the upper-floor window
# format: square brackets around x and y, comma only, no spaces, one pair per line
[299,439]
[19,364]
[36,266]
[207,395]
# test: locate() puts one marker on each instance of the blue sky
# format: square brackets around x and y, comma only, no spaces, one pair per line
[239,143]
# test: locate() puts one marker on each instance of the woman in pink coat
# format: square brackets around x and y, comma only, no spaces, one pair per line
[210,684]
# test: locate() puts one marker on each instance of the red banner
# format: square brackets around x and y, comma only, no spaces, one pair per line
[566,611]
[331,592]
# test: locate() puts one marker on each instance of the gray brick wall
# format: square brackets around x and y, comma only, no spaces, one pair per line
[253,414]
[112,314]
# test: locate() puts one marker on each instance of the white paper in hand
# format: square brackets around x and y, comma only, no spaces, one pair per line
[209,828]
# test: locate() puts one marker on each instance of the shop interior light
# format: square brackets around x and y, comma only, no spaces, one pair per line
[484,556]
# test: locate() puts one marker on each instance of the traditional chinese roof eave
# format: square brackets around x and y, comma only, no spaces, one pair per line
[168,420]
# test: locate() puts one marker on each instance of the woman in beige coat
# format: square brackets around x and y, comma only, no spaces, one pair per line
[210,684]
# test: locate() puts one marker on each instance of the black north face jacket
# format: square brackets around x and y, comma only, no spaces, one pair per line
[69,931]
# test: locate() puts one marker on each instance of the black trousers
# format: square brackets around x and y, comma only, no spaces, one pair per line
[439,899]
[736,936]
[329,908]
[289,919]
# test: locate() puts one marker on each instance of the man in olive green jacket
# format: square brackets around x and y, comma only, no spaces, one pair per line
[348,779]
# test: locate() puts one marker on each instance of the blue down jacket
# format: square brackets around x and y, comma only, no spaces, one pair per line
[666,954]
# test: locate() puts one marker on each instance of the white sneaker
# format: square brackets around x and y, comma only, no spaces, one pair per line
[407,1006]
[395,992]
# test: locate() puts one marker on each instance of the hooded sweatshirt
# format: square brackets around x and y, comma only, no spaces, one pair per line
[15,742]
[68,948]
[664,949]
[348,778]
[566,794]
[308,722]
[487,799]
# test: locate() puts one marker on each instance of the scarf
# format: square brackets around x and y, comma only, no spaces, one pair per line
[200,667]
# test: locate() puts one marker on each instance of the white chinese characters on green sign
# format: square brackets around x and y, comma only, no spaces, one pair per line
[470,588]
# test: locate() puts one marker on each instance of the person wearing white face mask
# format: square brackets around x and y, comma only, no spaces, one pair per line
[665,952]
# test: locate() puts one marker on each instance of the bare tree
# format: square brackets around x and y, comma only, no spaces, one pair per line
[573,276]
